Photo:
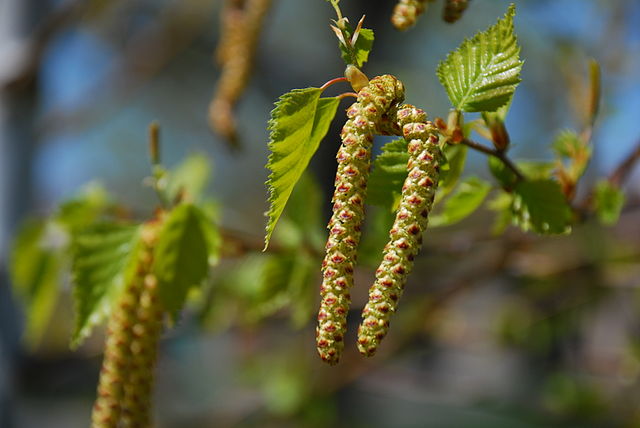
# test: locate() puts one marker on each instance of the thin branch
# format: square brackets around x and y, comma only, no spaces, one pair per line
[495,153]
[624,169]
[333,81]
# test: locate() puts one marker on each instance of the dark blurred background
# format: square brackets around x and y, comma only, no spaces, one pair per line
[510,331]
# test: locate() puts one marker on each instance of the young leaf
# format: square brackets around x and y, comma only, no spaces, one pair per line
[608,202]
[501,172]
[181,254]
[501,205]
[360,50]
[92,203]
[536,170]
[482,74]
[388,174]
[104,259]
[298,123]
[540,206]
[567,143]
[302,221]
[190,177]
[468,197]
[35,268]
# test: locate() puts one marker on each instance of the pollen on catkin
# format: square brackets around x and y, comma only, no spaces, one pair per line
[354,159]
[406,13]
[405,236]
[145,332]
[453,10]
[126,378]
[116,368]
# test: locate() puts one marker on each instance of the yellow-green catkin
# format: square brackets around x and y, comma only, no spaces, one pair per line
[115,372]
[146,330]
[406,13]
[453,10]
[241,26]
[354,159]
[405,236]
[126,378]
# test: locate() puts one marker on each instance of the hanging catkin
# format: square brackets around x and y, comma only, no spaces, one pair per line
[146,331]
[126,378]
[116,369]
[354,158]
[406,233]
[453,10]
[241,24]
[406,13]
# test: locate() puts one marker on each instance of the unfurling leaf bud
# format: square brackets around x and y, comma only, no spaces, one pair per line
[405,235]
[499,134]
[356,77]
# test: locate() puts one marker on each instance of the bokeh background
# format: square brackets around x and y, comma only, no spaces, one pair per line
[508,331]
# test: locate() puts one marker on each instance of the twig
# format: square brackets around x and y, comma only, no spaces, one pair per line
[624,169]
[333,81]
[495,153]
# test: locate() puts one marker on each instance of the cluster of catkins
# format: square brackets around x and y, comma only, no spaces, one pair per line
[406,12]
[126,377]
[378,110]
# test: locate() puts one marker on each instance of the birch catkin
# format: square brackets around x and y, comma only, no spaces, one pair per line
[116,368]
[405,235]
[406,13]
[453,10]
[241,26]
[354,158]
[126,378]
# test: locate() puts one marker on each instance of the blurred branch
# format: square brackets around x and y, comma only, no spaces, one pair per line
[617,178]
[495,153]
[624,169]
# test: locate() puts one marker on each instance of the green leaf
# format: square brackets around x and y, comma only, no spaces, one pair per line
[532,170]
[35,266]
[302,222]
[181,254]
[536,170]
[375,236]
[499,115]
[455,156]
[468,197]
[104,260]
[298,123]
[390,171]
[189,178]
[501,204]
[388,174]
[574,153]
[608,202]
[361,49]
[501,172]
[259,285]
[540,206]
[92,203]
[482,74]
[567,143]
